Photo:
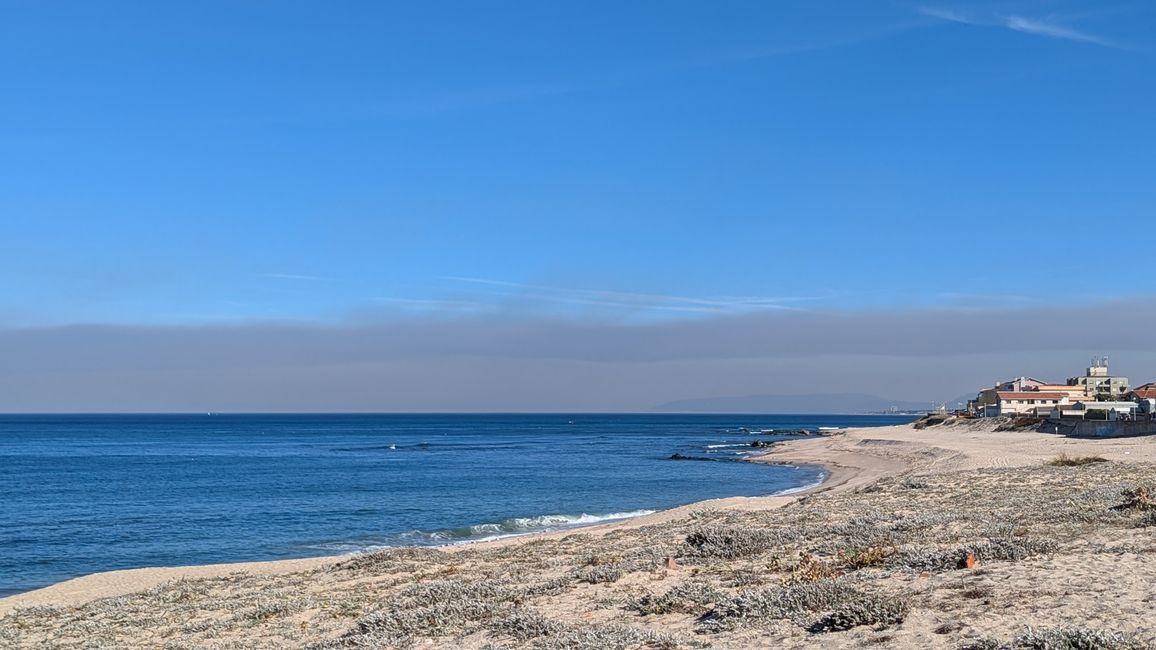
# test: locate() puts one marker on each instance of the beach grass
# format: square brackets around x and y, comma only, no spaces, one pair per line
[1064,460]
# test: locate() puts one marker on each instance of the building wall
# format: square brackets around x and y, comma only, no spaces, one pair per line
[1100,429]
[1025,406]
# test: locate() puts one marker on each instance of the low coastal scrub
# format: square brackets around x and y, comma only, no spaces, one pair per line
[390,560]
[1064,638]
[869,609]
[1137,498]
[869,556]
[612,636]
[687,598]
[601,574]
[1077,638]
[810,568]
[794,602]
[731,542]
[1020,423]
[525,624]
[1064,460]
[1012,549]
[433,609]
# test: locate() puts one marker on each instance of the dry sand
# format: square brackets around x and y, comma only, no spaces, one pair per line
[1054,547]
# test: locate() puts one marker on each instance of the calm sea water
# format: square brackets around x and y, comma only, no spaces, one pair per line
[81,494]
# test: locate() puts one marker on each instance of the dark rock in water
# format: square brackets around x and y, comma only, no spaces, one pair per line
[677,456]
[786,432]
[762,443]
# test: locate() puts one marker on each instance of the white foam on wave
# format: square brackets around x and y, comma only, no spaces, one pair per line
[584,519]
[525,525]
[727,445]
[513,527]
[823,476]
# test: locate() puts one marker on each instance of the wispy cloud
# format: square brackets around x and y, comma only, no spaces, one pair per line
[1051,30]
[637,301]
[950,15]
[1047,27]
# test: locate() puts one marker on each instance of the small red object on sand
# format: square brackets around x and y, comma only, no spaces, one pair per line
[970,562]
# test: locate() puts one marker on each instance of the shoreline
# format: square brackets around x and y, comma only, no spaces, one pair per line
[851,459]
[119,582]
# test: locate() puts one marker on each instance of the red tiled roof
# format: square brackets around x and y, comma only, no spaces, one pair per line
[1146,393]
[1030,395]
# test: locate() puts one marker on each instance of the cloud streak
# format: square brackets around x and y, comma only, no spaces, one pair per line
[1036,26]
[634,300]
[1051,30]
[949,15]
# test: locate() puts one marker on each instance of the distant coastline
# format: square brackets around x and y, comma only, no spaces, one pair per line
[817,403]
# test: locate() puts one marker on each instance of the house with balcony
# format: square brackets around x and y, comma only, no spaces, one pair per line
[1097,383]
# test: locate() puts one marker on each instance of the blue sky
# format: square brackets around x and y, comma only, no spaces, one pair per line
[197,162]
[583,206]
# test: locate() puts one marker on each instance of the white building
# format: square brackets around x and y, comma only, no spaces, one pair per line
[1097,411]
[1024,403]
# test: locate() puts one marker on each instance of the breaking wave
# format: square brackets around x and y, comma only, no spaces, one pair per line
[481,532]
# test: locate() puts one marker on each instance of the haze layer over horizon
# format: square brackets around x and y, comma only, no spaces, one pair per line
[491,207]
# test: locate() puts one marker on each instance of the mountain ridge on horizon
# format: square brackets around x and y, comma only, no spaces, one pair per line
[815,403]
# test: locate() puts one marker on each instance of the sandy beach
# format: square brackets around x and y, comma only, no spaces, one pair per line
[946,537]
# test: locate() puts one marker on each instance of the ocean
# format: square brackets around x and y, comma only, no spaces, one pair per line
[82,494]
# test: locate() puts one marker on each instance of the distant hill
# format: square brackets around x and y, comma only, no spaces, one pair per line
[962,399]
[824,403]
